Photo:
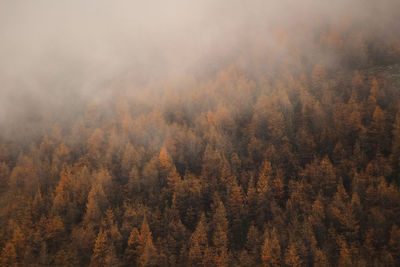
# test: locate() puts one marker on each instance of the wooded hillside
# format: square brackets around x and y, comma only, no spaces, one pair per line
[295,163]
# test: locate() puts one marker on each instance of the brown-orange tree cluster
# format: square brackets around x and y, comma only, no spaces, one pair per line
[297,167]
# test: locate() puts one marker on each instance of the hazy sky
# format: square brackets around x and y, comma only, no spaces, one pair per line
[52,50]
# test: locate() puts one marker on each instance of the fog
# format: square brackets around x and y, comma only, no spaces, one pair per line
[55,54]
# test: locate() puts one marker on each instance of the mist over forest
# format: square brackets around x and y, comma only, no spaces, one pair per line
[199,133]
[55,53]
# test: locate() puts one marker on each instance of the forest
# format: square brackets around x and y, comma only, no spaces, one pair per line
[291,159]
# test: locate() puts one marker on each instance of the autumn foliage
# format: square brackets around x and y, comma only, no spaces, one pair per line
[293,167]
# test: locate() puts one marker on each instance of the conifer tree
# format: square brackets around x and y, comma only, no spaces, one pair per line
[198,243]
[271,249]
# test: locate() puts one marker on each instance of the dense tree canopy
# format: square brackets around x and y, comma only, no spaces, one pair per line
[297,166]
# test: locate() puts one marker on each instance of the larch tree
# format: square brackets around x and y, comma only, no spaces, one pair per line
[95,145]
[96,204]
[173,179]
[149,255]
[100,250]
[271,249]
[220,236]
[8,256]
[320,259]
[395,149]
[292,257]
[394,242]
[251,252]
[198,243]
[131,251]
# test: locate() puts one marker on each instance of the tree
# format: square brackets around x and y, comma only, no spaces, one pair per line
[198,243]
[264,191]
[149,179]
[131,251]
[104,253]
[96,204]
[376,132]
[278,185]
[395,155]
[95,146]
[149,254]
[394,242]
[63,194]
[144,237]
[110,226]
[4,175]
[100,250]
[343,214]
[173,179]
[54,232]
[251,253]
[220,236]
[9,256]
[321,175]
[165,160]
[291,256]
[271,249]
[177,236]
[23,177]
[67,256]
[210,162]
[318,75]
[130,159]
[251,199]
[345,253]
[320,259]
[236,214]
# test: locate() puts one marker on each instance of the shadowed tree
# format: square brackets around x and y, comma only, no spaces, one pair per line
[198,243]
[271,249]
